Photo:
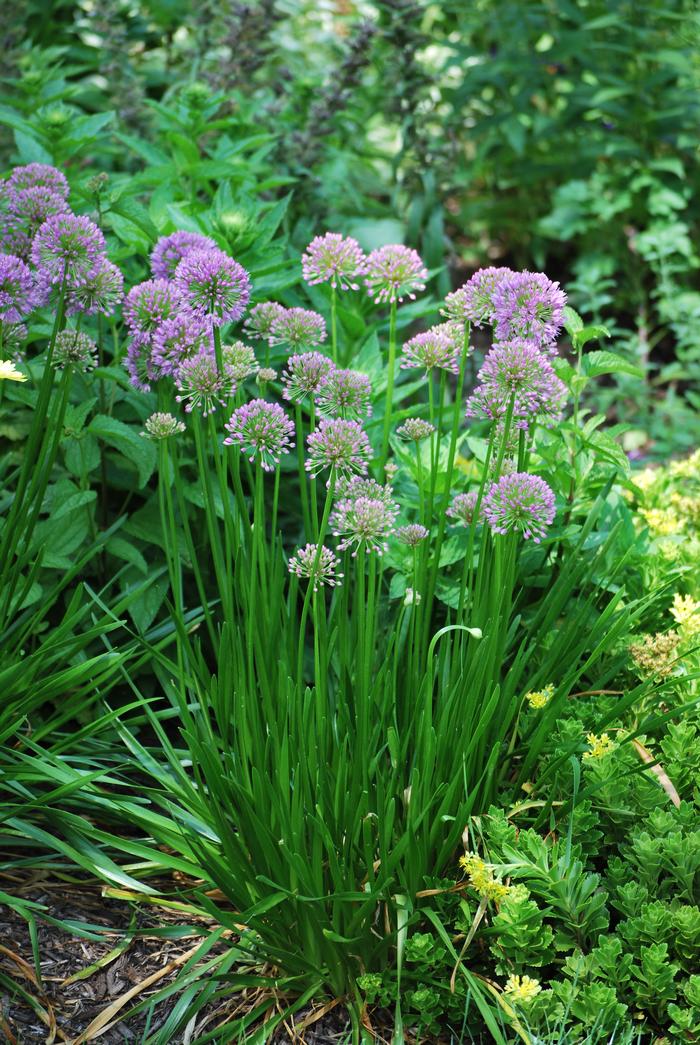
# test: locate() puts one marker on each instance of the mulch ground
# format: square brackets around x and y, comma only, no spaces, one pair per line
[53,1005]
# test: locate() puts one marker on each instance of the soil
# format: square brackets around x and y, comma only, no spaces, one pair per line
[133,964]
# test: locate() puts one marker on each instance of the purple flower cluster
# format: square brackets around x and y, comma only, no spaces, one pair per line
[529,305]
[320,567]
[463,507]
[213,284]
[299,328]
[263,432]
[437,348]
[394,272]
[175,339]
[516,372]
[170,250]
[344,393]
[412,535]
[18,290]
[261,319]
[171,319]
[340,445]
[520,503]
[303,375]
[66,250]
[363,516]
[474,302]
[201,385]
[334,259]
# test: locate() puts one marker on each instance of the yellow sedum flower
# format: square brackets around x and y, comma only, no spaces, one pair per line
[482,879]
[688,468]
[600,746]
[662,522]
[9,372]
[539,698]
[645,479]
[522,989]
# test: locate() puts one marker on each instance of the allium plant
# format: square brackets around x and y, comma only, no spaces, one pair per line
[385,710]
[68,249]
[304,374]
[262,431]
[297,328]
[213,285]
[339,445]
[344,393]
[201,385]
[334,259]
[520,503]
[321,569]
[101,292]
[18,291]
[170,250]
[516,376]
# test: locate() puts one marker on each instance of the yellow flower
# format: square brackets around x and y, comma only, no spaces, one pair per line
[645,479]
[687,469]
[9,372]
[663,522]
[482,879]
[686,613]
[687,508]
[539,698]
[522,988]
[600,746]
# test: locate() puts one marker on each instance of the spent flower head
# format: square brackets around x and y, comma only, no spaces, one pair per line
[340,445]
[297,328]
[170,250]
[162,426]
[414,429]
[101,292]
[12,336]
[517,372]
[333,259]
[68,248]
[318,566]
[18,292]
[394,272]
[656,656]
[241,359]
[200,385]
[529,305]
[213,284]
[344,393]
[520,503]
[74,348]
[262,431]
[266,374]
[304,374]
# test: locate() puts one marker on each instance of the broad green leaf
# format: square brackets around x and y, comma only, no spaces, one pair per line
[597,363]
[139,451]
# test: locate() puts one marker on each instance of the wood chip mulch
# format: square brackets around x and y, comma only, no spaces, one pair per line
[52,1005]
